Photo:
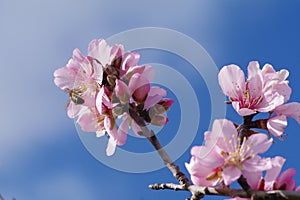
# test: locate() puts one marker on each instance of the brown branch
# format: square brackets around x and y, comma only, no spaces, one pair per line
[149,134]
[199,192]
[180,176]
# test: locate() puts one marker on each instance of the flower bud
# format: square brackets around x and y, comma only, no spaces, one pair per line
[139,86]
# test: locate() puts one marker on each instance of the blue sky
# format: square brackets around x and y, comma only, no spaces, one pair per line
[42,156]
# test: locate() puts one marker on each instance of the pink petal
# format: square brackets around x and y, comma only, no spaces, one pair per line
[224,128]
[257,164]
[102,99]
[230,174]
[139,86]
[283,89]
[154,96]
[64,78]
[97,72]
[289,110]
[130,59]
[270,101]
[166,103]
[272,173]
[268,72]
[87,121]
[286,177]
[276,125]
[122,131]
[232,81]
[255,80]
[100,50]
[122,91]
[253,178]
[74,110]
[246,111]
[209,156]
[259,143]
[283,74]
[148,72]
[199,173]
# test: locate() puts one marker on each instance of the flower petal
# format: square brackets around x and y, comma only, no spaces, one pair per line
[154,96]
[276,125]
[290,110]
[252,178]
[230,174]
[100,50]
[259,143]
[272,173]
[232,81]
[111,147]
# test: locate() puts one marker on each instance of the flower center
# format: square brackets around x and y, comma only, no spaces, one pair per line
[237,153]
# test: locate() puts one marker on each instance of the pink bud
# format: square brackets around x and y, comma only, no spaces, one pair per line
[159,120]
[166,103]
[139,86]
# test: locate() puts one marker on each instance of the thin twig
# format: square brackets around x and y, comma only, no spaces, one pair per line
[180,176]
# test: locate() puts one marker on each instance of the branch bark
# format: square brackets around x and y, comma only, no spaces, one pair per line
[226,191]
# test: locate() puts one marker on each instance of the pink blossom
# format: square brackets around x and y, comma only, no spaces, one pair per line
[226,158]
[80,78]
[263,91]
[106,84]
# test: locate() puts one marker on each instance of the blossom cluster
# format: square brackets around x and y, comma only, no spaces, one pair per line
[108,84]
[265,90]
[231,151]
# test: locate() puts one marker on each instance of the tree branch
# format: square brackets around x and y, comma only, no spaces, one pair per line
[226,191]
[180,176]
[149,134]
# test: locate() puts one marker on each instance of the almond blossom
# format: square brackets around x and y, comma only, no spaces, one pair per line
[263,91]
[225,156]
[80,78]
[107,85]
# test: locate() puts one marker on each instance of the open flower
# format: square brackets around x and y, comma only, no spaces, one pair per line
[263,91]
[80,78]
[225,156]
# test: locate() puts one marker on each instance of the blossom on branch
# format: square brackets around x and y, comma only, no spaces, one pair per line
[263,91]
[225,156]
[108,85]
